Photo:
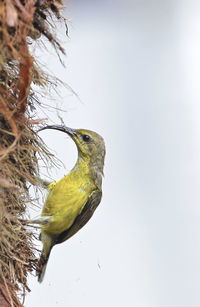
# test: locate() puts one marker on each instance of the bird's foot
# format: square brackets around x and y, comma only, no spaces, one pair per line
[43,220]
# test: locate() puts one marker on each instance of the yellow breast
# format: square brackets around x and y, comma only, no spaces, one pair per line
[66,199]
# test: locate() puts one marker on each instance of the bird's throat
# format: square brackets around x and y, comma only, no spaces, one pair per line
[88,170]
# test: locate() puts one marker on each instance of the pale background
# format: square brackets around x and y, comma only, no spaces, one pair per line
[135,66]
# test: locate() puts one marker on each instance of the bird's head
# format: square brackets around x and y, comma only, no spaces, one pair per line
[90,144]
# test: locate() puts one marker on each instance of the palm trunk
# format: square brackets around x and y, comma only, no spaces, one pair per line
[20,22]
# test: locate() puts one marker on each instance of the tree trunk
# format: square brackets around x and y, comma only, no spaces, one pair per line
[20,22]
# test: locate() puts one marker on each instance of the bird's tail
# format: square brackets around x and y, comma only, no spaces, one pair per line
[42,263]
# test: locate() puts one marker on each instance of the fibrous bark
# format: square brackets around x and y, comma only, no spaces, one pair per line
[21,22]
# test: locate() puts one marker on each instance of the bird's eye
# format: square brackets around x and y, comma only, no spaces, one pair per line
[86,138]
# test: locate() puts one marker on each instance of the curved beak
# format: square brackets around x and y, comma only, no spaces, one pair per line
[71,132]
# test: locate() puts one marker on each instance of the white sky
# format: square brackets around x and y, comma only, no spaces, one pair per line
[136,68]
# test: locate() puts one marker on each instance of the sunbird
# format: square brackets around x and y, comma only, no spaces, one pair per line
[72,200]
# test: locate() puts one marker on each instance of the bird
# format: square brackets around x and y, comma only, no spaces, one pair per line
[72,200]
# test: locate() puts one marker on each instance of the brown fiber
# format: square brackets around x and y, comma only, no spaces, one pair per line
[20,23]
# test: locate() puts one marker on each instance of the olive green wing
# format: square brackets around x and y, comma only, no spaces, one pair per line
[86,213]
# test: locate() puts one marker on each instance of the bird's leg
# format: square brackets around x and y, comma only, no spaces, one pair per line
[43,220]
[42,182]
